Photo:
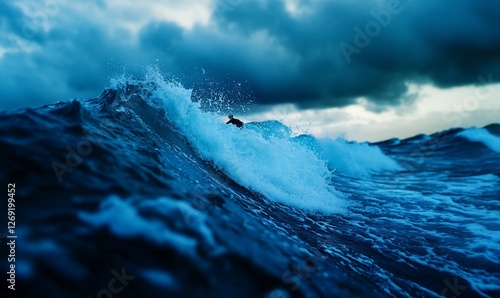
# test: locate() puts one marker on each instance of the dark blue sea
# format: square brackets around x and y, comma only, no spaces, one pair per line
[143,192]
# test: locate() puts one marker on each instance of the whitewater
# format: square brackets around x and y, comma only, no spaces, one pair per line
[145,180]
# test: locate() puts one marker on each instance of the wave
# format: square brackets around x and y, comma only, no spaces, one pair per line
[263,156]
[279,169]
[351,158]
[187,201]
[482,135]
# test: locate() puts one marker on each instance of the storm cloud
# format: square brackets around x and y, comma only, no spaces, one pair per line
[313,54]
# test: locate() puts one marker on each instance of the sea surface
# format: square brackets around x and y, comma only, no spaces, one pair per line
[141,192]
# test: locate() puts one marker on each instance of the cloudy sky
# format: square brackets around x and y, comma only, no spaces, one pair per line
[363,69]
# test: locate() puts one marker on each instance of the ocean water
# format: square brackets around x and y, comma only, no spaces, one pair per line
[141,193]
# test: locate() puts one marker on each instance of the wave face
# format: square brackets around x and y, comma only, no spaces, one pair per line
[140,182]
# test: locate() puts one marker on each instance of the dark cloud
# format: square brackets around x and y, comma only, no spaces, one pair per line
[315,58]
[416,45]
[69,61]
[300,59]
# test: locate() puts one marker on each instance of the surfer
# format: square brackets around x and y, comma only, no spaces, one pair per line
[235,121]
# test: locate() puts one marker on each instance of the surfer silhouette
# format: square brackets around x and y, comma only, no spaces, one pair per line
[234,121]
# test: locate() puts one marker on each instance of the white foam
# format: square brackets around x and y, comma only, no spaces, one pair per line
[483,136]
[472,184]
[282,170]
[192,219]
[264,157]
[357,159]
[122,219]
[486,242]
